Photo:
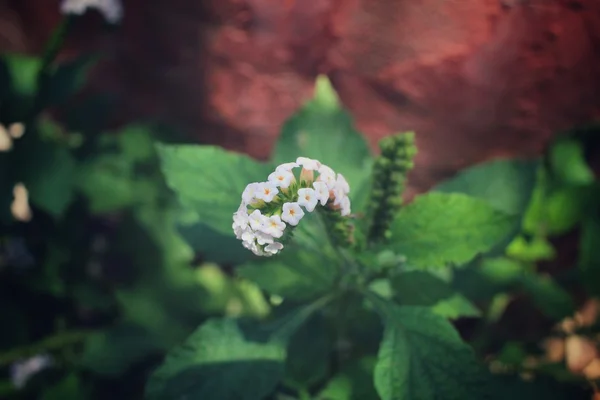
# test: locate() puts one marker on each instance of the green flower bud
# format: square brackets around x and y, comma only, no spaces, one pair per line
[389,180]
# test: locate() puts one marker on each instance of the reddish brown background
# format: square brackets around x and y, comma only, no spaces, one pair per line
[474,78]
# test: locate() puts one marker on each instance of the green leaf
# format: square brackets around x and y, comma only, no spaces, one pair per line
[210,180]
[438,229]
[227,359]
[589,256]
[420,288]
[113,352]
[353,382]
[507,185]
[309,353]
[569,164]
[547,295]
[49,176]
[296,274]
[423,357]
[323,130]
[24,72]
[108,183]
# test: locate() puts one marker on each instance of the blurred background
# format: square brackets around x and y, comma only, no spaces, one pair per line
[94,269]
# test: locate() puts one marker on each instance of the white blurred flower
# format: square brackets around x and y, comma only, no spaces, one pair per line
[274,248]
[22,371]
[322,192]
[274,226]
[266,191]
[308,199]
[112,10]
[281,178]
[6,141]
[20,206]
[292,213]
[308,163]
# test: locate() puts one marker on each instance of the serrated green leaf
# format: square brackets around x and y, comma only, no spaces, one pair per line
[219,362]
[227,359]
[423,357]
[323,130]
[295,274]
[210,180]
[420,288]
[354,382]
[505,184]
[438,229]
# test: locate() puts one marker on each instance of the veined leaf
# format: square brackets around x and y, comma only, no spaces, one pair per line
[323,130]
[423,357]
[506,185]
[210,180]
[438,229]
[420,288]
[227,359]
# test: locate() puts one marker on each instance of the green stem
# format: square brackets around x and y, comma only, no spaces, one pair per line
[49,344]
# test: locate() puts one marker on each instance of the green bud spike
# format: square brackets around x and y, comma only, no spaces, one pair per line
[389,179]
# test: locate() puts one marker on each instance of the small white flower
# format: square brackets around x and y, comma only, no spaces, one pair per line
[327,175]
[274,248]
[263,238]
[338,196]
[256,220]
[345,206]
[322,192]
[308,199]
[240,219]
[286,166]
[342,183]
[274,226]
[111,9]
[248,236]
[292,213]
[308,163]
[266,191]
[250,192]
[281,178]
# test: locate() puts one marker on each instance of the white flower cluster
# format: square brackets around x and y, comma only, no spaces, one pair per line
[268,207]
[22,370]
[111,9]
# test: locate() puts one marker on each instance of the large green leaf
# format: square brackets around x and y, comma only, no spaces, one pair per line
[438,229]
[420,288]
[210,180]
[323,130]
[227,359]
[296,274]
[505,184]
[423,357]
